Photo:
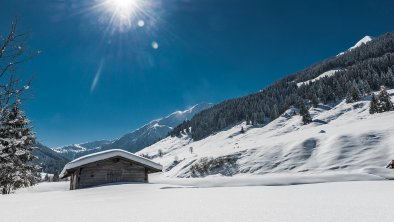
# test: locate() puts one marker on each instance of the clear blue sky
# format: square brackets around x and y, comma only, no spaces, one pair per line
[209,50]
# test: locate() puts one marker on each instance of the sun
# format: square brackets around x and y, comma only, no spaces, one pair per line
[123,9]
[122,14]
[122,3]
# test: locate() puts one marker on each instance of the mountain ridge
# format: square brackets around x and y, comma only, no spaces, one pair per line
[137,139]
[359,71]
[49,160]
[362,41]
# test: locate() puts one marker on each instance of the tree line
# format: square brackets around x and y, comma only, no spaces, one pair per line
[361,71]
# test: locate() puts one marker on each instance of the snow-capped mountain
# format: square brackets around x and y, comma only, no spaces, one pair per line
[342,137]
[352,75]
[154,131]
[264,132]
[72,150]
[138,139]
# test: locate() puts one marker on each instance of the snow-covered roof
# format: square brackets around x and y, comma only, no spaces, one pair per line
[106,155]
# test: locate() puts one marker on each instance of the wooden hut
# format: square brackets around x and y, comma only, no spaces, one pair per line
[110,166]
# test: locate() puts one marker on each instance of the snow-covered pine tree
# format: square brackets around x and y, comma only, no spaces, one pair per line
[354,94]
[16,145]
[314,100]
[160,153]
[242,130]
[387,78]
[390,78]
[373,107]
[55,177]
[384,102]
[306,118]
[304,112]
[274,112]
[46,178]
[349,98]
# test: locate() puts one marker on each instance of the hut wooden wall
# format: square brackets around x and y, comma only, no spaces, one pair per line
[109,171]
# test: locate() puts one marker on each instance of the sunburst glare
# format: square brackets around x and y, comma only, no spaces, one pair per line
[121,15]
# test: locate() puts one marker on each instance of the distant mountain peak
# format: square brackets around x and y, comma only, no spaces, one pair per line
[199,106]
[362,41]
[139,138]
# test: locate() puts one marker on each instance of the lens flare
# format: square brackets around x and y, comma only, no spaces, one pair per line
[121,15]
[141,23]
[155,45]
[118,21]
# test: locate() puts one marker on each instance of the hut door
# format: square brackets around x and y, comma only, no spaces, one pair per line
[114,176]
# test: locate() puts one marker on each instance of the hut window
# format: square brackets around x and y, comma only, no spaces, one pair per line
[91,175]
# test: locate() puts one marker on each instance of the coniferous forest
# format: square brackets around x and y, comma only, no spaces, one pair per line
[360,71]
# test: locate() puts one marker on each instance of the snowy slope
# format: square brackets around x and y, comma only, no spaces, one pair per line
[343,137]
[138,139]
[364,40]
[323,75]
[329,73]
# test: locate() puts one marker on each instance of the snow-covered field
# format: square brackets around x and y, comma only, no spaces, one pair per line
[330,170]
[343,138]
[340,201]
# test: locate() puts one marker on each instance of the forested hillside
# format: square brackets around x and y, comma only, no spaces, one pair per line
[355,73]
[342,138]
[49,160]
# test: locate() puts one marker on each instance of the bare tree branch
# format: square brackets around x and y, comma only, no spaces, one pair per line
[14,51]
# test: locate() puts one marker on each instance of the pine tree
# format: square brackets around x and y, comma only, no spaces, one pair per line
[242,130]
[274,112]
[304,112]
[338,88]
[254,119]
[354,95]
[46,178]
[55,177]
[314,101]
[390,76]
[373,107]
[384,102]
[16,146]
[349,98]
